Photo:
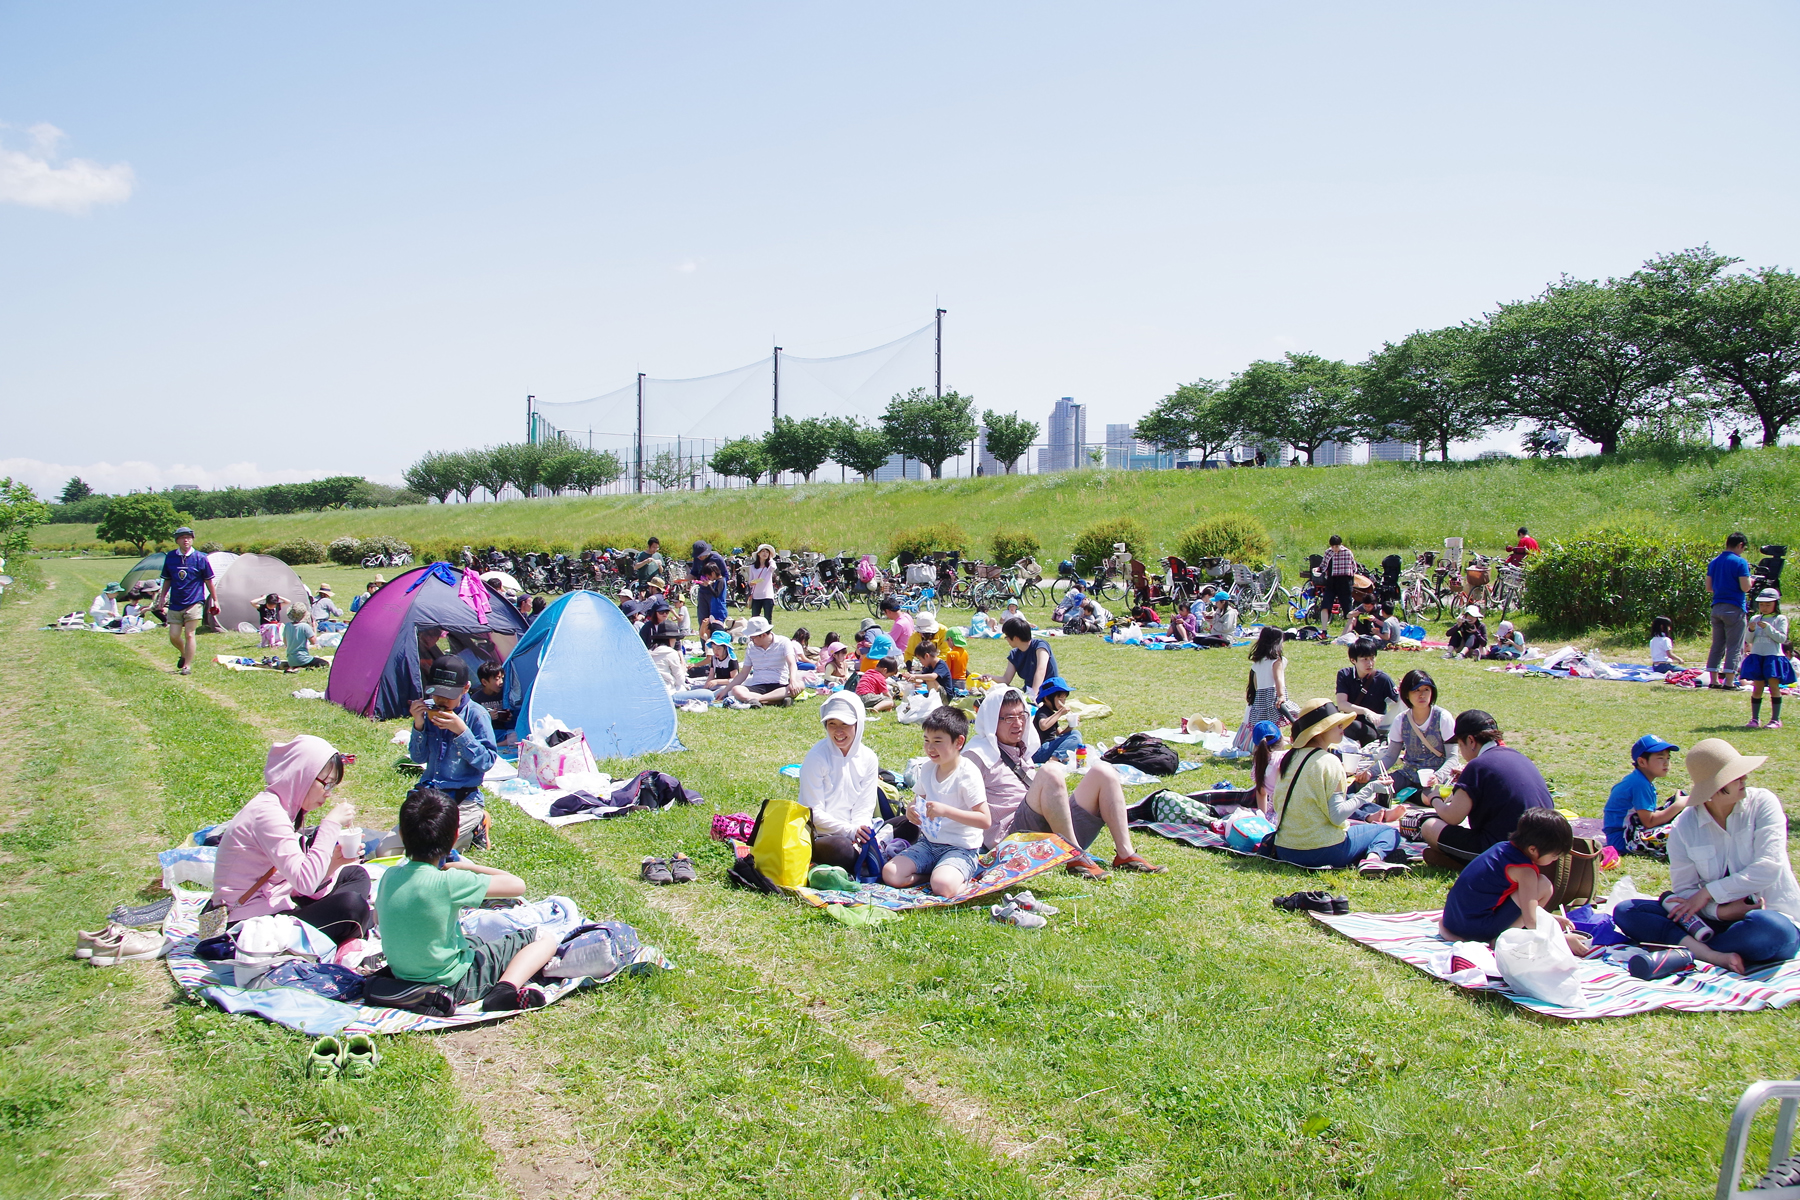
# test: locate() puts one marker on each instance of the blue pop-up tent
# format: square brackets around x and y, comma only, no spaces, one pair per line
[583,663]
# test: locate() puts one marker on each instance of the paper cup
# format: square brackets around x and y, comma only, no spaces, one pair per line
[350,843]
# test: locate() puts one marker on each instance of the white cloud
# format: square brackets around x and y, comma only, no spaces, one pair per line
[34,178]
[47,479]
[688,267]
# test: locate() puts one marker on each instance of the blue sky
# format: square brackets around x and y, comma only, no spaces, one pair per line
[274,241]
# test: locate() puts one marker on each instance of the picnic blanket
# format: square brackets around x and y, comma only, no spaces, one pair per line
[1205,838]
[315,1015]
[1607,988]
[239,662]
[1619,672]
[1018,857]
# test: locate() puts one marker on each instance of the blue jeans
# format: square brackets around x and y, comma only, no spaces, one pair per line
[1760,936]
[1070,741]
[1359,842]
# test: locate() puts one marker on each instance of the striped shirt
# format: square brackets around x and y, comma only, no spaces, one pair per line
[1339,561]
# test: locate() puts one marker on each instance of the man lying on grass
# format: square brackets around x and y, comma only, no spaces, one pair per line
[1035,799]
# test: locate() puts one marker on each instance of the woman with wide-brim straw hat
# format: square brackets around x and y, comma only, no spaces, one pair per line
[1311,808]
[1732,899]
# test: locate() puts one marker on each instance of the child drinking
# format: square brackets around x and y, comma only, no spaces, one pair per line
[1505,886]
[1054,736]
[1663,658]
[1765,660]
[951,811]
[1633,798]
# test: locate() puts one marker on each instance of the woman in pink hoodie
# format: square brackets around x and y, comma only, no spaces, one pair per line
[262,867]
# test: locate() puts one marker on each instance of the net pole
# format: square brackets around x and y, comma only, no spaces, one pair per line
[530,420]
[777,417]
[640,431]
[940,352]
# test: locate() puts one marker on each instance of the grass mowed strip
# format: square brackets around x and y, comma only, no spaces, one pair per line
[1165,1036]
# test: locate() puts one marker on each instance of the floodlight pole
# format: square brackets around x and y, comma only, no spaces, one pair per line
[530,420]
[640,433]
[777,419]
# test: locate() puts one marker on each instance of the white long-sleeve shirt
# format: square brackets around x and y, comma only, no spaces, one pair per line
[1747,857]
[840,787]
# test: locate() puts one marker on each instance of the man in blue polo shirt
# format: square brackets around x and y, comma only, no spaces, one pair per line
[186,596]
[1729,574]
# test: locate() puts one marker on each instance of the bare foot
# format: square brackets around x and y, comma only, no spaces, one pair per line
[1731,962]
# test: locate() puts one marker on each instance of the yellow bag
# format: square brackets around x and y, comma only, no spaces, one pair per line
[781,843]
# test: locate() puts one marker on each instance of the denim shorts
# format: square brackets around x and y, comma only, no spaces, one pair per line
[926,856]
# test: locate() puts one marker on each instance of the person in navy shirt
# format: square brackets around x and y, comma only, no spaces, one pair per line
[186,596]
[1729,575]
[1636,793]
[1492,793]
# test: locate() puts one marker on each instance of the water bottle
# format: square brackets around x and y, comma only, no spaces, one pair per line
[1695,925]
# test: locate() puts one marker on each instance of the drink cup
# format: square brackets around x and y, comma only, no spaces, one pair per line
[350,843]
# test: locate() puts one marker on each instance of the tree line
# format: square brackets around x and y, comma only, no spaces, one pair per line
[557,467]
[81,505]
[1656,355]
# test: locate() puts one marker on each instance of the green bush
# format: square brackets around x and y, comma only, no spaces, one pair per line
[924,539]
[209,548]
[757,537]
[1620,579]
[345,551]
[299,551]
[1235,536]
[1010,545]
[1094,544]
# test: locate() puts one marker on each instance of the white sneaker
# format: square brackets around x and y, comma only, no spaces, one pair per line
[119,944]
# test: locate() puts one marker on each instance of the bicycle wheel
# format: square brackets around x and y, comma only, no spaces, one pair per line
[1108,589]
[838,598]
[1031,596]
[1278,600]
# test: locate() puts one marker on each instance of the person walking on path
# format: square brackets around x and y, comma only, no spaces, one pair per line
[1339,570]
[1729,575]
[186,596]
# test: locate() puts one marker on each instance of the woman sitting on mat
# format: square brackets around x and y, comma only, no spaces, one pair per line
[264,867]
[1312,810]
[837,782]
[1423,735]
[1732,898]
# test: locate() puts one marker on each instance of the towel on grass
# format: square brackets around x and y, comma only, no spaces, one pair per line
[317,1016]
[1018,857]
[1607,988]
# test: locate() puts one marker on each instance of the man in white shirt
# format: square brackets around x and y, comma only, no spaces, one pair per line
[769,674]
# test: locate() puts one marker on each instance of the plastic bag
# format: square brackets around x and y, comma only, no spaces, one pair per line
[917,707]
[1538,962]
[1625,889]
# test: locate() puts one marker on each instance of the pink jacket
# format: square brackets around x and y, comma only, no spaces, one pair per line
[262,835]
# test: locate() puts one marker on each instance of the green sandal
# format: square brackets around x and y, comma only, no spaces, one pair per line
[326,1056]
[360,1056]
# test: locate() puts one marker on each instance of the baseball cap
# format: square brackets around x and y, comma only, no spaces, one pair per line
[1768,596]
[449,676]
[1265,733]
[1650,744]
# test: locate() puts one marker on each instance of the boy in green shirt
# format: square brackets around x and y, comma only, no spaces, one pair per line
[419,908]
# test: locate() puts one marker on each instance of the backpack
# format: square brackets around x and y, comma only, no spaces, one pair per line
[1151,755]
[781,842]
[595,951]
[1173,808]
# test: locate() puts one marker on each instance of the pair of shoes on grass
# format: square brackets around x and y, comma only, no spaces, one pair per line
[115,944]
[663,871]
[508,997]
[351,1057]
[1318,902]
[1010,913]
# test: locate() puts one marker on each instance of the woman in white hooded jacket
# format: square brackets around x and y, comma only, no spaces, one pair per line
[838,783]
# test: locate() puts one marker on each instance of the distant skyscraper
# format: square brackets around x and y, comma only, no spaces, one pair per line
[889,471]
[1334,454]
[1394,452]
[1121,444]
[1068,432]
[985,463]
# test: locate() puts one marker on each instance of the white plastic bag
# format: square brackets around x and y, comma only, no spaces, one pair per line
[1625,889]
[917,707]
[1538,962]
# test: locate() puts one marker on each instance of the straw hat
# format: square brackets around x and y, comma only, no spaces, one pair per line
[1317,718]
[1715,762]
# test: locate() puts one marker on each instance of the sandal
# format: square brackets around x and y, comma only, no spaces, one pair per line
[360,1056]
[323,1060]
[655,870]
[681,869]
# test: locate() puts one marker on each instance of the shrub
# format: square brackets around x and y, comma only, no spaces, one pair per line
[126,548]
[345,551]
[210,548]
[1010,545]
[1620,579]
[1235,536]
[1094,544]
[945,535]
[298,551]
[757,537]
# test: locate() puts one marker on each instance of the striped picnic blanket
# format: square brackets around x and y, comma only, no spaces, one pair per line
[1018,857]
[1607,989]
[316,1015]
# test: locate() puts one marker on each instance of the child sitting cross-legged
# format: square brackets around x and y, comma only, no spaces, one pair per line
[419,907]
[1632,802]
[1505,886]
[951,811]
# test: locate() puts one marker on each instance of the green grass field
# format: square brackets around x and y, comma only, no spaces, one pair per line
[1168,1036]
[1377,508]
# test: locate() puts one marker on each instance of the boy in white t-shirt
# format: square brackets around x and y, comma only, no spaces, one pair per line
[951,811]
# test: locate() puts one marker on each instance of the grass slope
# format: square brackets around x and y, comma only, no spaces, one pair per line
[1376,507]
[1169,1036]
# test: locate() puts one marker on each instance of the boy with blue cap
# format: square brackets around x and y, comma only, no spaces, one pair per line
[1636,793]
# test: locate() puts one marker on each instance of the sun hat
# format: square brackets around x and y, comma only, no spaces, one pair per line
[868,623]
[1472,611]
[928,623]
[1506,627]
[324,589]
[720,638]
[1715,762]
[1265,733]
[1316,718]
[1768,596]
[110,588]
[756,627]
[379,579]
[1056,685]
[672,629]
[1650,744]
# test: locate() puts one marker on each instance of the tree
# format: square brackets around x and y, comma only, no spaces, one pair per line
[862,448]
[436,475]
[519,463]
[799,446]
[1427,390]
[1582,356]
[1303,400]
[140,519]
[20,510]
[75,489]
[742,458]
[464,466]
[488,470]
[1009,436]
[1195,416]
[1741,331]
[596,469]
[665,471]
[562,463]
[930,428]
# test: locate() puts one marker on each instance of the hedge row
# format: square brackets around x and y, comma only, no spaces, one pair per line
[1621,579]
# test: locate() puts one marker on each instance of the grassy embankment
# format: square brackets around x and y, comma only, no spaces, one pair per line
[1171,1036]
